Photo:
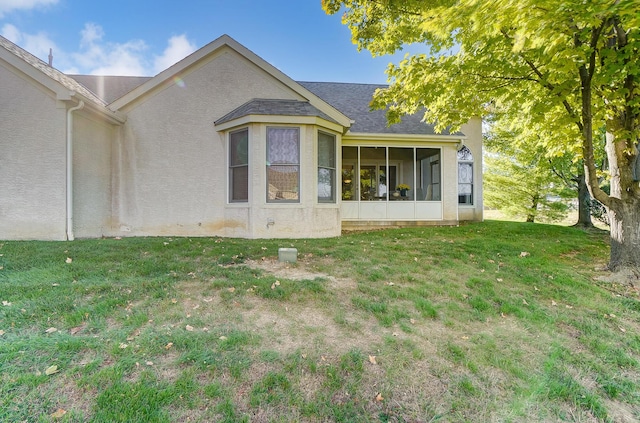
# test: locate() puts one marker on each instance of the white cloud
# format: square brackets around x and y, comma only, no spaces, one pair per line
[179,47]
[10,5]
[99,57]
[36,44]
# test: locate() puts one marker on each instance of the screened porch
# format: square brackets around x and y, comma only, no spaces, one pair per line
[391,183]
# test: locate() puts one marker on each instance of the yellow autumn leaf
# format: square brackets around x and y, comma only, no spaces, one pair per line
[58,413]
[51,370]
[379,397]
[372,359]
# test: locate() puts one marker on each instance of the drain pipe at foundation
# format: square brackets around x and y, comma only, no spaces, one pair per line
[70,169]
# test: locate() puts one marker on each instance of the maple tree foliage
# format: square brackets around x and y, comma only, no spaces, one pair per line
[555,63]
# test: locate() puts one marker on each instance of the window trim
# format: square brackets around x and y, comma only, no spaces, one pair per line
[268,165]
[468,161]
[232,166]
[333,169]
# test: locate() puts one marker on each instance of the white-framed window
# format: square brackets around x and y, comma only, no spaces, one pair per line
[465,176]
[239,166]
[326,168]
[283,165]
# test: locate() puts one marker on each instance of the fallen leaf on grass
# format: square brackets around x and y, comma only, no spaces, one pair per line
[75,330]
[223,338]
[524,302]
[189,328]
[1,332]
[51,330]
[207,300]
[379,397]
[168,346]
[622,329]
[123,345]
[68,260]
[372,359]
[149,363]
[174,301]
[524,254]
[553,303]
[6,303]
[51,370]
[58,413]
[232,289]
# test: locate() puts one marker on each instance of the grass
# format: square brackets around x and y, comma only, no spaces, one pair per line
[494,321]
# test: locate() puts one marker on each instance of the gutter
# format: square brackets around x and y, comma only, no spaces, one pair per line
[70,169]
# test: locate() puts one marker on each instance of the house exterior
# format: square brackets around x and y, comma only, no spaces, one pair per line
[220,144]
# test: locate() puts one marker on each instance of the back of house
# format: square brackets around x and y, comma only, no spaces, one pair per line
[220,144]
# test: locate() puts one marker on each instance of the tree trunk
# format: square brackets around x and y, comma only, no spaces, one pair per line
[625,236]
[531,216]
[584,203]
[624,207]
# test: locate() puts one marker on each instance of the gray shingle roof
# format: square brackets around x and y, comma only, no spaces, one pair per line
[353,100]
[110,88]
[274,107]
[51,72]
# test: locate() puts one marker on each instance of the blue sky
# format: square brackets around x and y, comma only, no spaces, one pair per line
[143,37]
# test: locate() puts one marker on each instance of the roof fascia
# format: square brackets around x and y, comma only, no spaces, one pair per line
[61,92]
[358,137]
[279,120]
[210,49]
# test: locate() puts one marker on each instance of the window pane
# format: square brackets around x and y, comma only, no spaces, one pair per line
[326,182]
[464,154]
[238,148]
[326,167]
[326,150]
[283,164]
[238,166]
[240,183]
[465,173]
[283,146]
[428,167]
[283,183]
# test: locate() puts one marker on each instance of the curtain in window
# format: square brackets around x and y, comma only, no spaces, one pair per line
[283,164]
[465,178]
[283,146]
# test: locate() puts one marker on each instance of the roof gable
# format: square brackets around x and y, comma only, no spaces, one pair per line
[208,51]
[64,87]
[36,68]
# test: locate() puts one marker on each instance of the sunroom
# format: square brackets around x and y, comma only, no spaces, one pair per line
[414,181]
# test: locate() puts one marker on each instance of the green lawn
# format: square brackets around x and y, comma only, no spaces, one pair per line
[495,321]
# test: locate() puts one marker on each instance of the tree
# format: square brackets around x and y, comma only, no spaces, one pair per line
[519,179]
[558,63]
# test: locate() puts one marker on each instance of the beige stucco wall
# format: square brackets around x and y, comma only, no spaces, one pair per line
[91,175]
[171,170]
[32,160]
[473,131]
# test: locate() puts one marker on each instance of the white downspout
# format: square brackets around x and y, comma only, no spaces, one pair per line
[70,169]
